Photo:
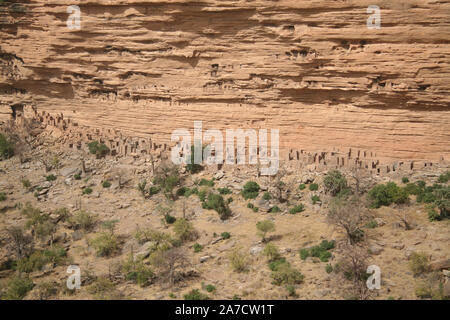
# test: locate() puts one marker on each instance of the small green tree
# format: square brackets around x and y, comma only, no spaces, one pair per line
[216,202]
[191,166]
[17,288]
[6,147]
[265,227]
[184,230]
[251,190]
[99,149]
[167,178]
[334,182]
[271,251]
[238,260]
[385,194]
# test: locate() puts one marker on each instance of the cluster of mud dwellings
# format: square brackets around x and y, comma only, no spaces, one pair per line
[78,137]
[119,144]
[358,159]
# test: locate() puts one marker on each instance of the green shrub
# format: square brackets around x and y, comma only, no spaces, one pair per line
[266,196]
[51,177]
[6,147]
[302,186]
[271,251]
[184,230]
[297,209]
[35,262]
[324,256]
[82,220]
[210,288]
[238,261]
[334,182]
[38,222]
[327,245]
[77,176]
[412,188]
[99,149]
[313,187]
[26,183]
[291,290]
[167,179]
[47,289]
[386,194]
[206,183]
[225,235]
[2,196]
[274,264]
[229,200]
[304,253]
[265,227]
[251,190]
[195,294]
[315,199]
[109,225]
[285,274]
[255,209]
[106,184]
[135,270]
[320,251]
[193,167]
[329,268]
[169,219]
[433,215]
[146,235]
[181,191]
[87,190]
[103,288]
[444,178]
[423,292]
[202,194]
[421,184]
[190,192]
[197,247]
[431,287]
[250,205]
[224,191]
[17,288]
[418,263]
[275,209]
[216,202]
[141,187]
[55,255]
[438,196]
[105,244]
[426,195]
[154,190]
[371,224]
[405,180]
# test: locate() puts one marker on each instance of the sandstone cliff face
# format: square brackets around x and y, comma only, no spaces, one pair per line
[309,68]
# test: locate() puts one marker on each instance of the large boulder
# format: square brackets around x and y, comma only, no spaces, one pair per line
[145,250]
[68,171]
[440,265]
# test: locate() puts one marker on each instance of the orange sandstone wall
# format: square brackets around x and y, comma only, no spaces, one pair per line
[310,68]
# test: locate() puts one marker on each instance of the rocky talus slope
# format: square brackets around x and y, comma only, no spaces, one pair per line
[310,68]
